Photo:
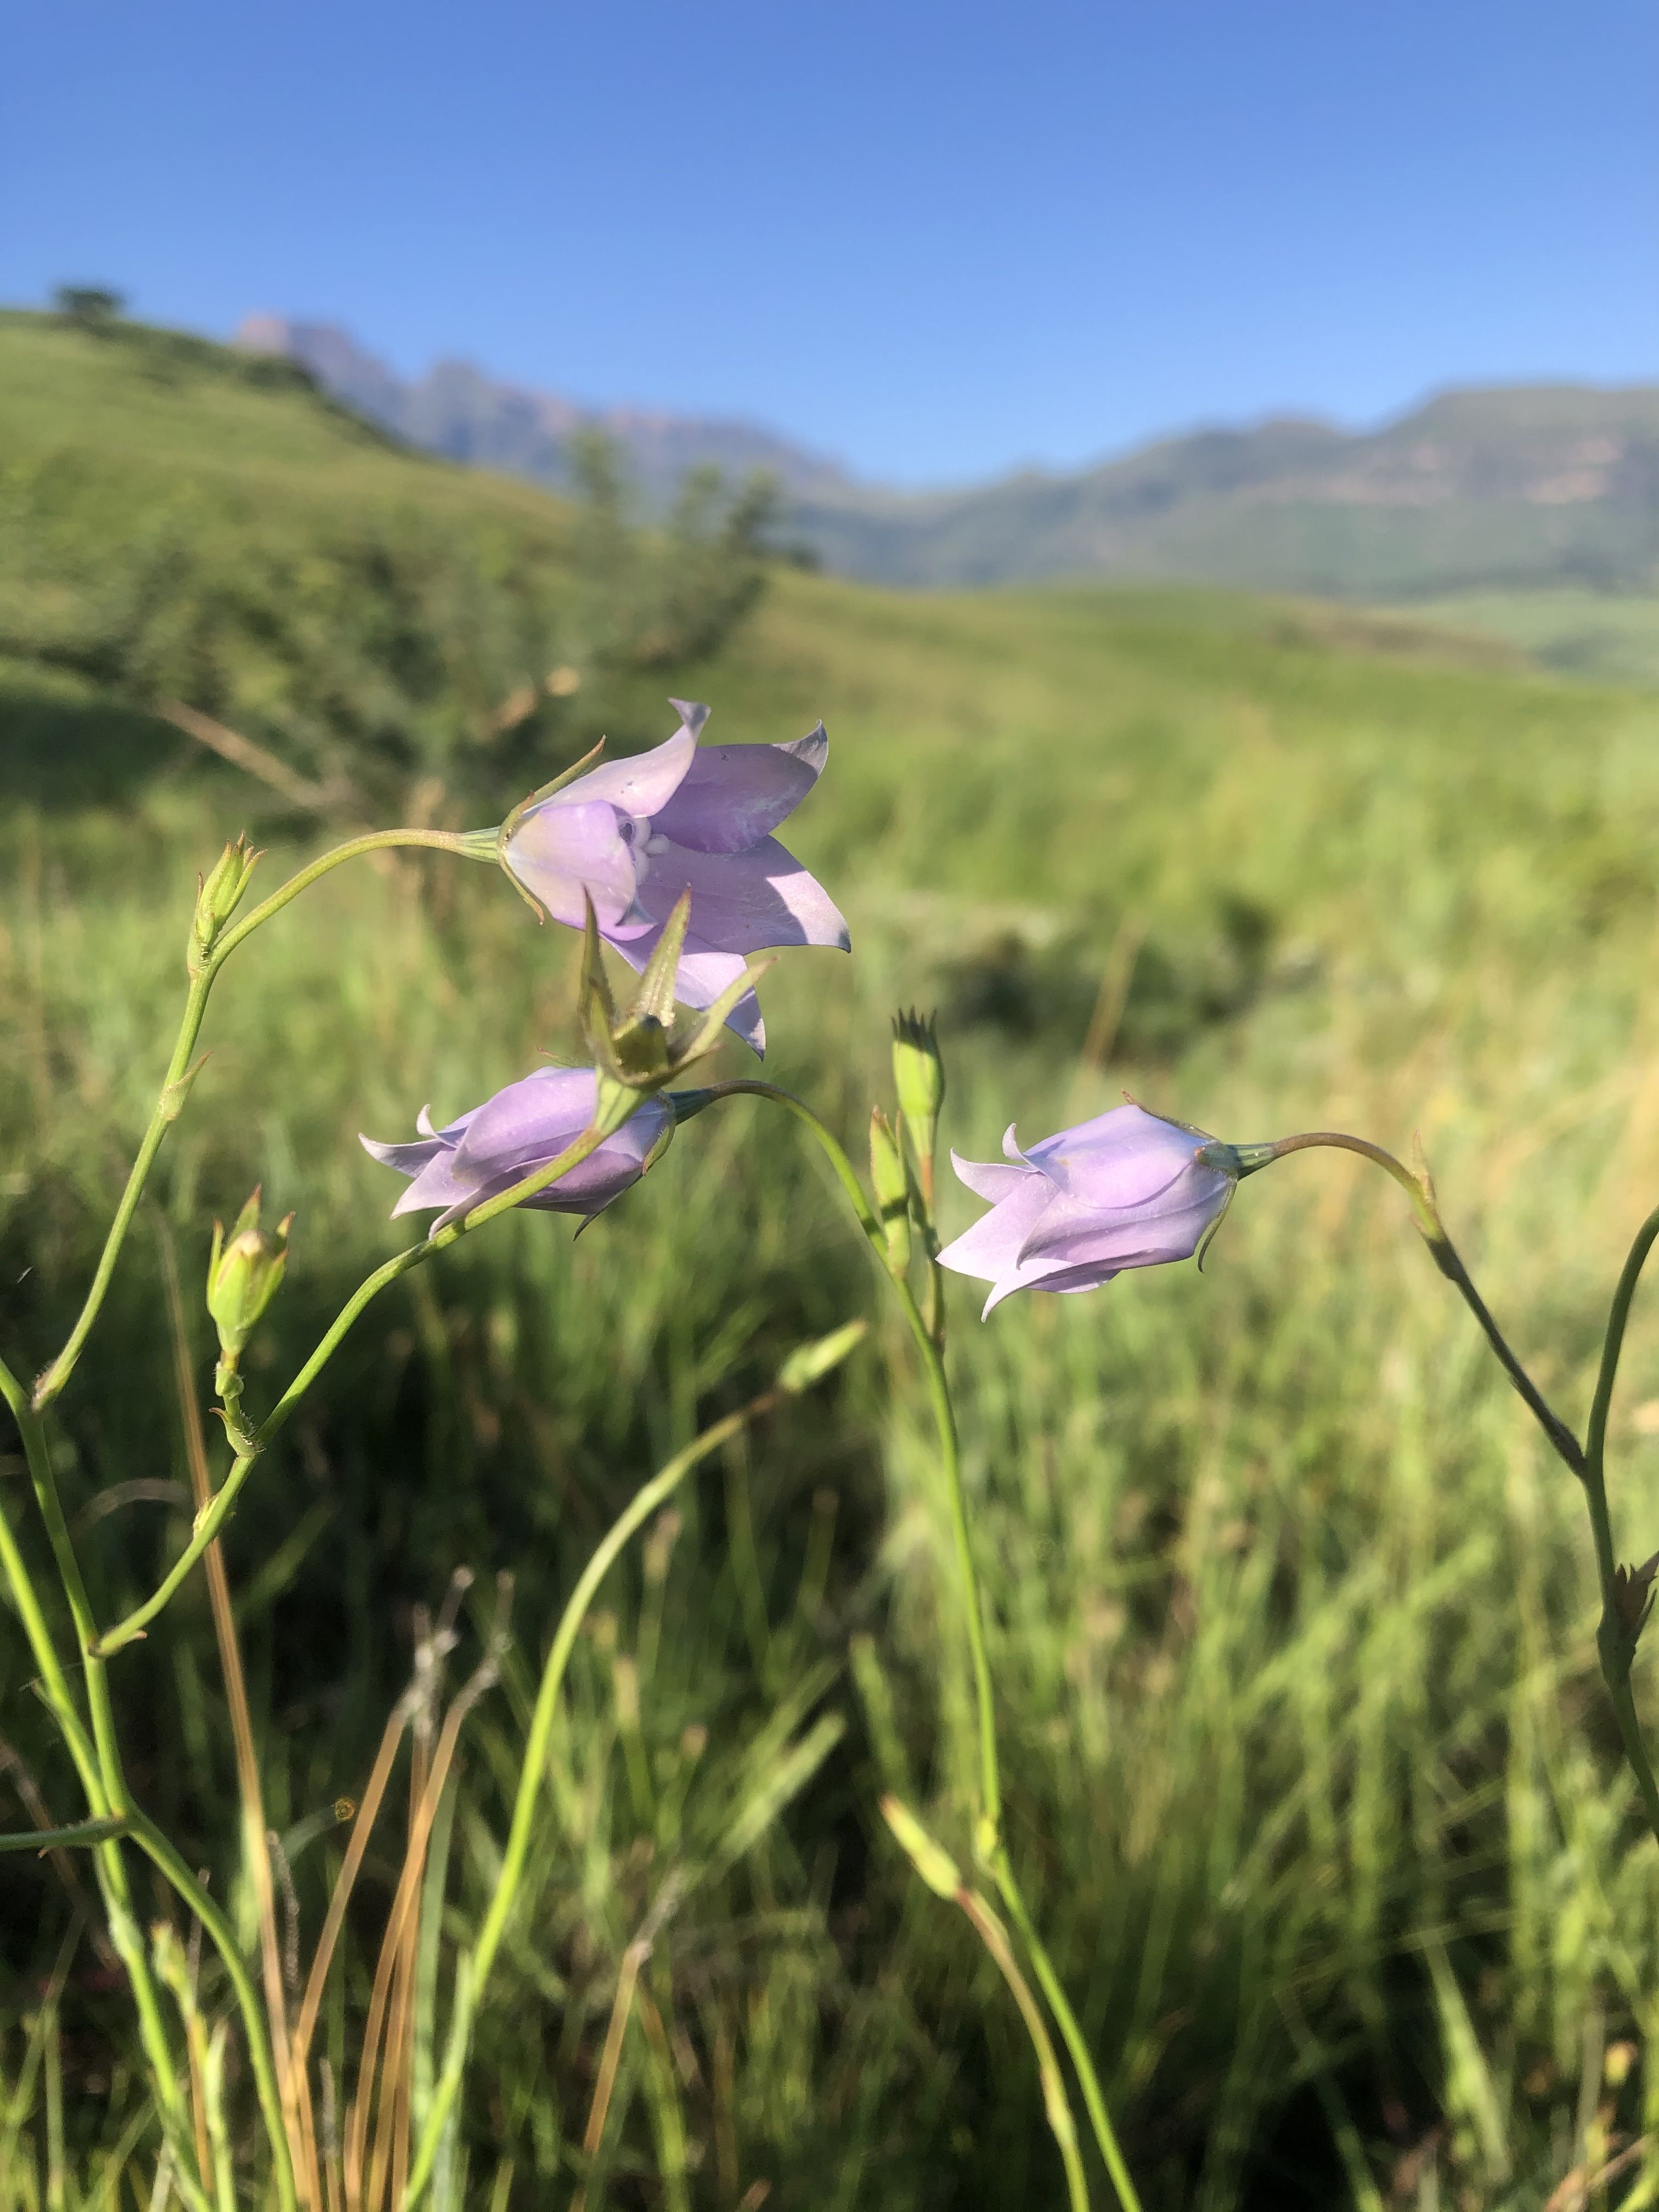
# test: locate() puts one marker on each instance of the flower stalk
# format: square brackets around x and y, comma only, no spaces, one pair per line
[183,1068]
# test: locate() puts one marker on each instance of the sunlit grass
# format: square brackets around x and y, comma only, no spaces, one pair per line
[1292,1615]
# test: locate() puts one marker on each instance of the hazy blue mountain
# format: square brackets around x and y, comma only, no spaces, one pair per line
[1518,487]
[456,410]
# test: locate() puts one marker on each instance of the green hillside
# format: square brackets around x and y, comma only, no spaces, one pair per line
[1292,1616]
[181,521]
[1509,488]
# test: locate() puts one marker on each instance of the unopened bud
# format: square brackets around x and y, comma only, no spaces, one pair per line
[220,895]
[809,1363]
[918,1077]
[931,1860]
[891,1185]
[244,1274]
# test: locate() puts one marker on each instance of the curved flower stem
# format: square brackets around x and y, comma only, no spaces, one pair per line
[988,1843]
[180,1072]
[209,1522]
[1061,2005]
[533,1768]
[1419,1190]
[156,1847]
[1624,1593]
[472,844]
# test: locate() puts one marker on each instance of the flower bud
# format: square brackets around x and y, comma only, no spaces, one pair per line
[931,1860]
[891,1185]
[919,1078]
[809,1363]
[244,1274]
[219,896]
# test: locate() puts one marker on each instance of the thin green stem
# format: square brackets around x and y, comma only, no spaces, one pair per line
[117,1800]
[1420,1193]
[939,1395]
[168,1104]
[988,1840]
[156,1847]
[209,1522]
[1613,1343]
[533,1771]
[52,1839]
[176,1082]
[107,1856]
[1059,2004]
[469,843]
[1624,1597]
[993,1936]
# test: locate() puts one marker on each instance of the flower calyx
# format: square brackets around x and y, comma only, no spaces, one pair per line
[500,838]
[643,1049]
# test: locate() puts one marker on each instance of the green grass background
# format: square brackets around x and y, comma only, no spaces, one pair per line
[1292,1615]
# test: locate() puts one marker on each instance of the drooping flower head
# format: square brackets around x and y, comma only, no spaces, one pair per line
[521,1128]
[633,835]
[1124,1190]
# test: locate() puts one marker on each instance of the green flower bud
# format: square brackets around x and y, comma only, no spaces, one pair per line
[219,896]
[919,1078]
[809,1363]
[931,1860]
[244,1274]
[891,1185]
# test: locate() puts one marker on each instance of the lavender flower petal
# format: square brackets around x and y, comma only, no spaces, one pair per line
[991,1248]
[525,1126]
[989,1179]
[641,785]
[1126,1189]
[560,850]
[744,902]
[732,796]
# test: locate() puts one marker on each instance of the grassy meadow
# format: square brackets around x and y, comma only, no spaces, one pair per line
[1310,1774]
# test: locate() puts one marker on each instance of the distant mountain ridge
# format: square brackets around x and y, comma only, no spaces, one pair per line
[459,411]
[1511,487]
[1519,487]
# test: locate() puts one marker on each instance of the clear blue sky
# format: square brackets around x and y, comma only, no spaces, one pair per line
[932,239]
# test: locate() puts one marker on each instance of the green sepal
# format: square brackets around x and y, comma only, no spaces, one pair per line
[643,1050]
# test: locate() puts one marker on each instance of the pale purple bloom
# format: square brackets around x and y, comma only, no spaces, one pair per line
[519,1130]
[632,834]
[1124,1190]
